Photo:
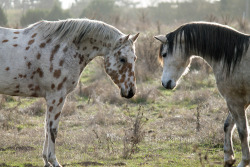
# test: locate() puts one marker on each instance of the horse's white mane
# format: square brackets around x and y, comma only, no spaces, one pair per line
[77,29]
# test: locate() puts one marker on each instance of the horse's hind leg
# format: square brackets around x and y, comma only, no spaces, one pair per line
[54,107]
[229,127]
[239,116]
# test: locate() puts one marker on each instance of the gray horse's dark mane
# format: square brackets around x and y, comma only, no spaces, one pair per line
[210,40]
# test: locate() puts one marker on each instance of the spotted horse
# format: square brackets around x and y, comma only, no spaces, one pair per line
[47,58]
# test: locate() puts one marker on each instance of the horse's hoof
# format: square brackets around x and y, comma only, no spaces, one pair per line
[229,163]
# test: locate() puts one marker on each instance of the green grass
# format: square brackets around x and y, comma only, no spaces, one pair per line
[166,153]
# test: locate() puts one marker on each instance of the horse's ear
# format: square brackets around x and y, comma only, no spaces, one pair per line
[125,38]
[134,37]
[161,38]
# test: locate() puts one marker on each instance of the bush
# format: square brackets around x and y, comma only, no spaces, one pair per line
[147,64]
[3,18]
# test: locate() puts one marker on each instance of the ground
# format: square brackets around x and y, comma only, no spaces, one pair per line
[157,127]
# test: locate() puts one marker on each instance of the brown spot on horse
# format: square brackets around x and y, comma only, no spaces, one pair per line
[59,87]
[57,73]
[6,40]
[52,86]
[15,45]
[7,68]
[60,101]
[48,41]
[61,62]
[29,64]
[54,52]
[38,56]
[31,42]
[42,45]
[16,32]
[95,48]
[34,35]
[50,108]
[40,72]
[16,91]
[52,56]
[51,67]
[37,88]
[57,115]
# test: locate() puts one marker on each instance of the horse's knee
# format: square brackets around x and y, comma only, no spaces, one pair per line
[226,125]
[229,123]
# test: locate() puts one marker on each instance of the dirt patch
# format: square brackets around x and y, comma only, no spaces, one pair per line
[29,165]
[18,148]
[4,165]
[87,163]
[120,164]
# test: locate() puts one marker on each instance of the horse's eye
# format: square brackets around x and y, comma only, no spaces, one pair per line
[164,55]
[123,60]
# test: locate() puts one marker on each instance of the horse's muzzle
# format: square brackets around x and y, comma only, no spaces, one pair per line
[130,94]
[168,85]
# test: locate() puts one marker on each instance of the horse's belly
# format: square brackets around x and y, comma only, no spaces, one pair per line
[17,82]
[235,89]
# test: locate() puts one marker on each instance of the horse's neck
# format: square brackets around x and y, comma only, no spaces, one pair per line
[89,49]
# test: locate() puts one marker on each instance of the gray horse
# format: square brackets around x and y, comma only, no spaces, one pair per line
[226,51]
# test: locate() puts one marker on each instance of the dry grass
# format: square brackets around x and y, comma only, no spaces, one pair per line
[147,64]
[98,125]
[134,135]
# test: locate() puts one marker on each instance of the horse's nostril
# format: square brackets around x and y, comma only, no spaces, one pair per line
[169,84]
[130,93]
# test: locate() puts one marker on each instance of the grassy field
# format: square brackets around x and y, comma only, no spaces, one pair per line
[157,127]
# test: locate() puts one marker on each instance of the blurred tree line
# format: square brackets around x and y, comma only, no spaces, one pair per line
[116,11]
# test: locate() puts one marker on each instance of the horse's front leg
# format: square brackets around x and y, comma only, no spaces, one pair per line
[45,145]
[229,127]
[239,116]
[55,104]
